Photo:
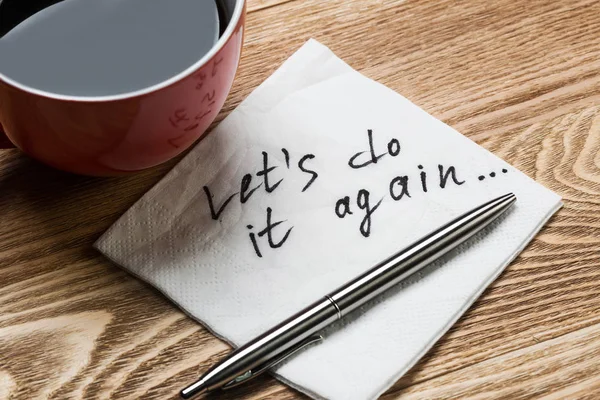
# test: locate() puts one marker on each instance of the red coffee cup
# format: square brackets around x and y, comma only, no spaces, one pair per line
[114,135]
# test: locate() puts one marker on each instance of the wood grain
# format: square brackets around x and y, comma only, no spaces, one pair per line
[521,77]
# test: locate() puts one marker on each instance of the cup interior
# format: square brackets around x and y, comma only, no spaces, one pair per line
[189,47]
[227,8]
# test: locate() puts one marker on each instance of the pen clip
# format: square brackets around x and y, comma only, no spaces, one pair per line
[252,373]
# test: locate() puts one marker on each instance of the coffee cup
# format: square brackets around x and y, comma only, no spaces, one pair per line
[115,134]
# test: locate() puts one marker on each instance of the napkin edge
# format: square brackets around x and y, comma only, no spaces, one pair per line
[163,293]
[205,325]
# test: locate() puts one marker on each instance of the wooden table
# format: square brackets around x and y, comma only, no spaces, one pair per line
[520,77]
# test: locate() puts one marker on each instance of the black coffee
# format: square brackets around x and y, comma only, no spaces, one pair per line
[108,47]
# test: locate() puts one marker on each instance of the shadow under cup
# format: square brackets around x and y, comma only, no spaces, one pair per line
[113,134]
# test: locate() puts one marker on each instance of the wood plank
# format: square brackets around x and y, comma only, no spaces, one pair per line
[544,370]
[482,68]
[257,5]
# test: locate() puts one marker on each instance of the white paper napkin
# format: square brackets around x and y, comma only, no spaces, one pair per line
[304,126]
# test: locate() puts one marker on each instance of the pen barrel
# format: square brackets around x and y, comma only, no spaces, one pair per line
[270,344]
[412,259]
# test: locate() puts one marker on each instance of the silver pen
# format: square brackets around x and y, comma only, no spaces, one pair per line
[300,330]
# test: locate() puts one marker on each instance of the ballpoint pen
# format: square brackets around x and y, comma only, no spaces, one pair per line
[300,330]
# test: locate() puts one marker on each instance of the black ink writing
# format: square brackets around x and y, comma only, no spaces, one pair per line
[253,240]
[246,180]
[492,174]
[423,179]
[248,187]
[393,149]
[286,154]
[269,232]
[363,203]
[342,207]
[402,182]
[265,173]
[275,234]
[313,174]
[215,214]
[450,172]
[373,159]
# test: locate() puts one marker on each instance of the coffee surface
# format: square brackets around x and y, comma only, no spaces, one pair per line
[108,47]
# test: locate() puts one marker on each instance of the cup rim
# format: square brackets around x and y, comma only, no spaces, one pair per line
[237,14]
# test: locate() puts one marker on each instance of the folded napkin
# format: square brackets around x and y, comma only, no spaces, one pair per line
[318,175]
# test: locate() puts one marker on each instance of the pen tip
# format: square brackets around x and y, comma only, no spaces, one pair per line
[193,390]
[508,197]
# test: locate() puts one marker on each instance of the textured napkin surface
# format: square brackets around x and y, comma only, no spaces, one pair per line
[313,117]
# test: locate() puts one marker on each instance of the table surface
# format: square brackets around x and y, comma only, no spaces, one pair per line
[520,77]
